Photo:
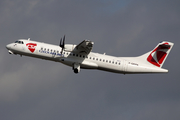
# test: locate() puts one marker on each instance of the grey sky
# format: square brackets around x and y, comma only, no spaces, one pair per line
[37,89]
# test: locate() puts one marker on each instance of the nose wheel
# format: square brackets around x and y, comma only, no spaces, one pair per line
[76,68]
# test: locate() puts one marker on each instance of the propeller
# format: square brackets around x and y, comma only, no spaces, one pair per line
[62,42]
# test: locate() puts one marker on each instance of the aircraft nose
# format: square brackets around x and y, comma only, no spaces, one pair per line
[8,46]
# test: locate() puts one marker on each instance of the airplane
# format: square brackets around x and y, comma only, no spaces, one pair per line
[81,56]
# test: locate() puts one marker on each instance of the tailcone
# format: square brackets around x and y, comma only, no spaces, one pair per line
[160,70]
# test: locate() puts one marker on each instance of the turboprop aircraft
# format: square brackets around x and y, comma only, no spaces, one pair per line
[80,56]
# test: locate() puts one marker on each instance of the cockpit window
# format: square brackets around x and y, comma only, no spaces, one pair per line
[20,42]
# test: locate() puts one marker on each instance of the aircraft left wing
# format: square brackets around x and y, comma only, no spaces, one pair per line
[84,47]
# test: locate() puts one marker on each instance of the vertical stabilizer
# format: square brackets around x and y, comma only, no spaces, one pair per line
[159,54]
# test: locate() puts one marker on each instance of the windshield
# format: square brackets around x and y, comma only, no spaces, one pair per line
[19,42]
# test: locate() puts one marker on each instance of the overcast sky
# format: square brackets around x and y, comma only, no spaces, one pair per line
[34,89]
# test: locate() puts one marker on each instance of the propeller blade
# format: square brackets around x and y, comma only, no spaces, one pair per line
[62,44]
[63,41]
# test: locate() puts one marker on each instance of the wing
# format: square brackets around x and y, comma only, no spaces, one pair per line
[84,47]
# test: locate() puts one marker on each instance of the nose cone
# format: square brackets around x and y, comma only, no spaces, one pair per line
[8,46]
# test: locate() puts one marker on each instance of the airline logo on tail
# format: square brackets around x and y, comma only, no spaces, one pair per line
[31,46]
[158,55]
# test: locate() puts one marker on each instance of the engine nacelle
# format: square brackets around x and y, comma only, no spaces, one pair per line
[69,47]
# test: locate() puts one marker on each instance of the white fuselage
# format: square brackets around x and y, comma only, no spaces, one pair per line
[90,61]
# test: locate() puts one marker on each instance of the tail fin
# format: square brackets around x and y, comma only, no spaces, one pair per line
[159,54]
